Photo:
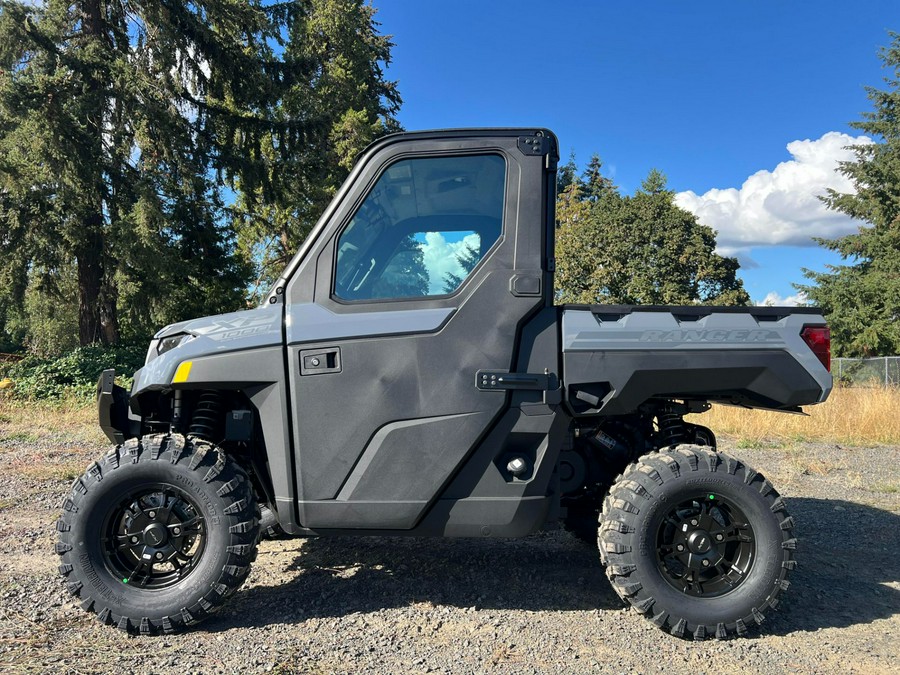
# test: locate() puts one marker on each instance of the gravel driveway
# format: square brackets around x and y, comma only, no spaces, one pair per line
[535,605]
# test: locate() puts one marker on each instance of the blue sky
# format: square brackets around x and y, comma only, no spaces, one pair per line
[711,93]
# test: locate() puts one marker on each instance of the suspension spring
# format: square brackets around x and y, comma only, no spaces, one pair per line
[671,426]
[208,415]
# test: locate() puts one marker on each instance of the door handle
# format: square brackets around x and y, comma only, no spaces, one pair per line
[320,361]
[500,380]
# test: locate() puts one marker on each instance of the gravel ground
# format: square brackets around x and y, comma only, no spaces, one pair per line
[535,605]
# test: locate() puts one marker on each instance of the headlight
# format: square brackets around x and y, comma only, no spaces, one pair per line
[168,343]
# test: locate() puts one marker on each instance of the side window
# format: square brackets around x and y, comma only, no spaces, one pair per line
[422,229]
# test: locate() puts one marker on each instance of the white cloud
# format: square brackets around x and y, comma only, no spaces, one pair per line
[440,257]
[781,206]
[773,299]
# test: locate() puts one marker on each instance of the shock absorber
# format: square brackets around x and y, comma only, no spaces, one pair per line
[671,425]
[209,412]
[177,410]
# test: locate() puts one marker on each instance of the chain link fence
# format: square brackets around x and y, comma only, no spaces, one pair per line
[882,371]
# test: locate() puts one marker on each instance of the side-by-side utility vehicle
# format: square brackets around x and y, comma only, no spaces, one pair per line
[409,374]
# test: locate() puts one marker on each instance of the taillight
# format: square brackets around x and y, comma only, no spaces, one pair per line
[819,340]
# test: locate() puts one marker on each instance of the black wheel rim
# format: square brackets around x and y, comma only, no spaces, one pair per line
[705,546]
[154,537]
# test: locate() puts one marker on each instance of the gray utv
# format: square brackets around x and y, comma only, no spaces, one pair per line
[409,374]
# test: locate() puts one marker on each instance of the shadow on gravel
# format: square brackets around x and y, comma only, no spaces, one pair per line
[338,576]
[847,553]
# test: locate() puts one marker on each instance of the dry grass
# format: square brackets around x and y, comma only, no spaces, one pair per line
[886,488]
[32,421]
[48,442]
[851,416]
[44,470]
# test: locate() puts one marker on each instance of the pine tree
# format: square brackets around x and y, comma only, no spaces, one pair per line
[124,124]
[336,57]
[405,275]
[567,174]
[595,184]
[107,112]
[467,259]
[861,299]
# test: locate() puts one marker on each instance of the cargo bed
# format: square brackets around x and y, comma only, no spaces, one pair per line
[617,356]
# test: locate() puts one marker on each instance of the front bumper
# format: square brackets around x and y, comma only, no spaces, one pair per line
[112,408]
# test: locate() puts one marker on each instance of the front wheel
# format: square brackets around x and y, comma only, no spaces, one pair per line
[158,533]
[698,542]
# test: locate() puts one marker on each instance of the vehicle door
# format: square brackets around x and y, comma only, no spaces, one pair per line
[421,276]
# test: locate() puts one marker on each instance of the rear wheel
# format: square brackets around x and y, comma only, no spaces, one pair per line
[158,533]
[698,542]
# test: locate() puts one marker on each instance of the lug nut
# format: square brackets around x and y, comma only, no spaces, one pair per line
[134,540]
[719,537]
[693,522]
[152,514]
[705,563]
[159,556]
[176,530]
[680,547]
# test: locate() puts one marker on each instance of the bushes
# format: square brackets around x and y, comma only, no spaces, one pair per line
[74,373]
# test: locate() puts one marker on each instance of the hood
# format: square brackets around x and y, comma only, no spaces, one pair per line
[258,322]
[236,331]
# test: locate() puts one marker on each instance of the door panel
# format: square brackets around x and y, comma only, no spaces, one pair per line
[424,445]
[309,322]
[387,380]
[377,441]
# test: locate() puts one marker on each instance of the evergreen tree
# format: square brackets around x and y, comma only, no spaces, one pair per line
[861,299]
[106,112]
[567,174]
[595,184]
[467,259]
[119,122]
[405,275]
[335,55]
[642,249]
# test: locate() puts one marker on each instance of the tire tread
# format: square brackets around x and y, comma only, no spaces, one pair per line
[240,522]
[617,524]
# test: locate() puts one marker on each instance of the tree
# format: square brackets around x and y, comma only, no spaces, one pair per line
[405,275]
[108,112]
[595,185]
[467,259]
[136,135]
[335,55]
[861,299]
[567,174]
[641,249]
